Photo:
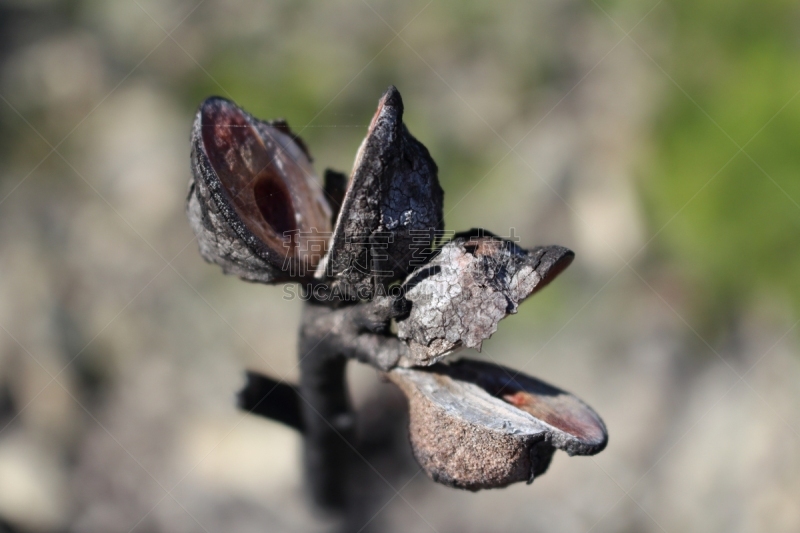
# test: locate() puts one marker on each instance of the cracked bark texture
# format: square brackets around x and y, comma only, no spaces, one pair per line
[392,210]
[460,296]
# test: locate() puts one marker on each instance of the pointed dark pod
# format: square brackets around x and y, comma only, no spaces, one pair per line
[254,201]
[476,280]
[392,210]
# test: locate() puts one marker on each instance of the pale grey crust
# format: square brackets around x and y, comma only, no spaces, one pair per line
[393,190]
[460,296]
[467,438]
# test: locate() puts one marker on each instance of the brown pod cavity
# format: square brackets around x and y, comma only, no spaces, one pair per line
[254,202]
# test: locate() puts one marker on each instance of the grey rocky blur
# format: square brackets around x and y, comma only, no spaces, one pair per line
[121,350]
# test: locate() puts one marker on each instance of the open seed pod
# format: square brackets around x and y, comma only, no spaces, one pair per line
[476,425]
[476,280]
[392,209]
[254,202]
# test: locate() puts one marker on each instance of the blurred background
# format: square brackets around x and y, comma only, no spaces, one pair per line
[657,139]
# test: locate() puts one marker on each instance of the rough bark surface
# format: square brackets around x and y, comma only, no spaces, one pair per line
[359,332]
[392,210]
[476,425]
[219,243]
[476,280]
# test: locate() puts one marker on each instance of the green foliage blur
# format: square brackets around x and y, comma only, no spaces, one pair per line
[724,180]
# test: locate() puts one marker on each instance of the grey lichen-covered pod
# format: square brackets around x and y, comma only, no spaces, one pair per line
[476,425]
[476,280]
[392,211]
[254,202]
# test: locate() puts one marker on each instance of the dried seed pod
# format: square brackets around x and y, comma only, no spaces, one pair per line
[254,202]
[476,280]
[476,425]
[392,210]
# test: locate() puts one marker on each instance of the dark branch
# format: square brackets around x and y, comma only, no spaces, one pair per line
[276,400]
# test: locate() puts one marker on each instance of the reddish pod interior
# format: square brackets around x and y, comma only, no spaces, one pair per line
[560,411]
[247,169]
[274,203]
[549,404]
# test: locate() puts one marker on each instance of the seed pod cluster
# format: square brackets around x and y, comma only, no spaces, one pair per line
[259,211]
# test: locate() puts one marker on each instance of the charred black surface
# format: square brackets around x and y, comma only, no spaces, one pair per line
[276,400]
[392,210]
